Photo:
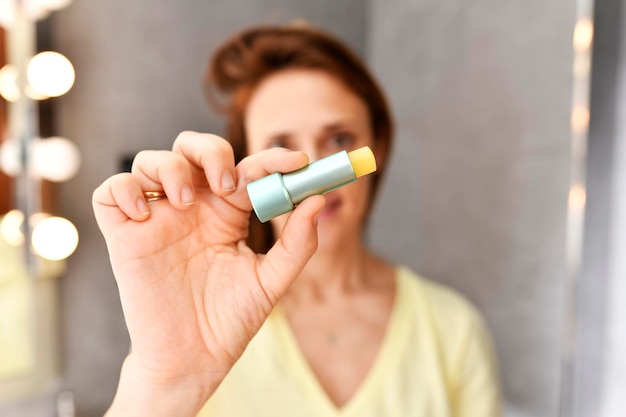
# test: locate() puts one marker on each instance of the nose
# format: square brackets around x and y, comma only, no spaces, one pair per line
[312,152]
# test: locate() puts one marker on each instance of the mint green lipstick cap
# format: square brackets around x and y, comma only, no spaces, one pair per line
[278,193]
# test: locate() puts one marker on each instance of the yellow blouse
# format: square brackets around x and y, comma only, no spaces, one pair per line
[436,360]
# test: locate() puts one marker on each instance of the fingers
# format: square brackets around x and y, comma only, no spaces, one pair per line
[269,161]
[167,171]
[295,246]
[210,155]
[197,161]
[262,164]
[119,198]
[178,173]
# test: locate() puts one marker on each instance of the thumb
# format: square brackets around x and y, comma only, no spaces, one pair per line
[293,249]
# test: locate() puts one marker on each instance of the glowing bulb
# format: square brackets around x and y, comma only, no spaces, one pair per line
[583,34]
[55,159]
[8,83]
[577,197]
[11,227]
[10,158]
[580,119]
[54,238]
[7,13]
[50,74]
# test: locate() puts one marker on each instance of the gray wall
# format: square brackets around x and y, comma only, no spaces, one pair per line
[478,178]
[482,94]
[601,336]
[139,66]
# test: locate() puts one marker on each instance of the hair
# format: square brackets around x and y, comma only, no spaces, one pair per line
[248,57]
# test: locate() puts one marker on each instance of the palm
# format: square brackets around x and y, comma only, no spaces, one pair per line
[193,293]
[194,280]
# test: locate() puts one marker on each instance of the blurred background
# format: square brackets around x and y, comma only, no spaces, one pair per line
[506,141]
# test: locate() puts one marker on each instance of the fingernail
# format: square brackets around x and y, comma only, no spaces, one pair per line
[316,218]
[187,197]
[228,181]
[142,207]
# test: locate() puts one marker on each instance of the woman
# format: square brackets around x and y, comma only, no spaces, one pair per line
[340,330]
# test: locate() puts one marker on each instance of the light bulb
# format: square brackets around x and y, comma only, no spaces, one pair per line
[583,35]
[54,238]
[579,119]
[11,227]
[10,158]
[54,159]
[50,74]
[7,13]
[577,197]
[8,82]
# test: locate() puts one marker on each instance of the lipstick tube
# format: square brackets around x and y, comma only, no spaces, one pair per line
[279,193]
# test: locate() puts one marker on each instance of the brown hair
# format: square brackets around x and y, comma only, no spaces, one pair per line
[245,59]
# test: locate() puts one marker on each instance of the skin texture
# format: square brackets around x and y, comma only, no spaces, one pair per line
[193,294]
[339,306]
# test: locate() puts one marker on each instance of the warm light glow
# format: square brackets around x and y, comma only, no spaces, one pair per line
[54,238]
[50,74]
[54,159]
[583,35]
[577,197]
[7,13]
[8,83]
[33,94]
[580,119]
[10,158]
[33,9]
[582,65]
[11,228]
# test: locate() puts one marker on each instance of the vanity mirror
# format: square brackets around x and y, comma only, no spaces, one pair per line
[33,241]
[491,104]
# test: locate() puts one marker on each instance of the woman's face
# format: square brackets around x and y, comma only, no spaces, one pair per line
[312,111]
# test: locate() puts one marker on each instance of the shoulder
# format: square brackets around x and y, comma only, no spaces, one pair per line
[447,307]
[455,322]
[463,342]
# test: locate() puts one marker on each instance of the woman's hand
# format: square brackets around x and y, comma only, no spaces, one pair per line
[192,292]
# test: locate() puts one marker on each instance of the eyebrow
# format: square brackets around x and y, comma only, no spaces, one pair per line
[334,127]
[329,128]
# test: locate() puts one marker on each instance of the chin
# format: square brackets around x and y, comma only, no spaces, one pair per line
[337,231]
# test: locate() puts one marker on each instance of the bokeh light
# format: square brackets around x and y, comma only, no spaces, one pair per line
[54,238]
[583,35]
[50,74]
[8,83]
[10,158]
[54,159]
[11,227]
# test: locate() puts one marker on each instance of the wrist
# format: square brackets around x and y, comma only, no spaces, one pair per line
[139,394]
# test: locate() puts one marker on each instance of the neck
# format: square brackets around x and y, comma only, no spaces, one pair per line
[331,273]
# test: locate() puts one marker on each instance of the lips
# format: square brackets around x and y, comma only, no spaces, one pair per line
[333,202]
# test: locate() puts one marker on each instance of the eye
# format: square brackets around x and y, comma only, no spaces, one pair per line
[277,143]
[340,140]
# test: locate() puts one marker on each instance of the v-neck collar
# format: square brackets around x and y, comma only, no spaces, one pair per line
[389,353]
